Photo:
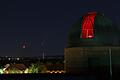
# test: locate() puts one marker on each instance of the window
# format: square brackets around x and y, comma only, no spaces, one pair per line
[87,25]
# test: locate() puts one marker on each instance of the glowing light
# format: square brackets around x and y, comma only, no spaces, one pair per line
[8,58]
[26,71]
[57,71]
[23,46]
[1,71]
[18,58]
[87,25]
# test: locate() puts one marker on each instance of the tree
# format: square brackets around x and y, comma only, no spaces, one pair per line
[33,69]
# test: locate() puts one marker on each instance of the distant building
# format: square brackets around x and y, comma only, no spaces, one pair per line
[15,68]
[93,46]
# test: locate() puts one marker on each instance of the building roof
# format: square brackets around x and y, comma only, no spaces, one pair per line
[17,67]
[105,33]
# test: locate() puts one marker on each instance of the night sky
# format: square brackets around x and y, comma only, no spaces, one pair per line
[46,22]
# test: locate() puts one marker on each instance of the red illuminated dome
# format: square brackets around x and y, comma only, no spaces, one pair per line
[93,29]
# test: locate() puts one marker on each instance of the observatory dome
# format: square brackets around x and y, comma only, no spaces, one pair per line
[93,29]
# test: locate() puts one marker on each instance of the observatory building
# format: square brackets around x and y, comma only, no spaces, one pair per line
[93,46]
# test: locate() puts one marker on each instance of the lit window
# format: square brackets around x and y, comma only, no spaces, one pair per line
[87,25]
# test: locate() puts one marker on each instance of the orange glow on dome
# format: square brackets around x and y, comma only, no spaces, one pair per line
[87,25]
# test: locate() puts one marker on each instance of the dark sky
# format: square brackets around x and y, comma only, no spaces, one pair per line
[46,21]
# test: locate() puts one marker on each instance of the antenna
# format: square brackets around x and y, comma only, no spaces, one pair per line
[43,53]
